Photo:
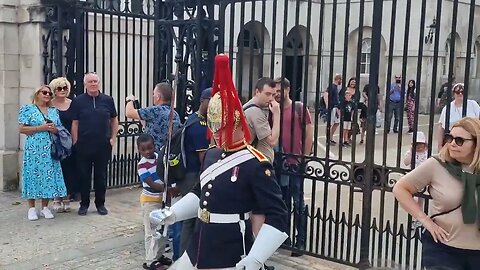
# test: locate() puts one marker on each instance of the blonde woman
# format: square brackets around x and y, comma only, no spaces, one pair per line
[41,175]
[61,91]
[452,236]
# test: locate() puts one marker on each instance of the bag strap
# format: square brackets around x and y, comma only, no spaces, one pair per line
[445,212]
[44,118]
[182,147]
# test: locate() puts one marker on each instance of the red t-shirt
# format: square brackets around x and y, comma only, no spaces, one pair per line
[295,146]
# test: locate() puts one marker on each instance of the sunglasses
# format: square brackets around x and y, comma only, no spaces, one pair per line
[46,93]
[458,140]
[62,89]
[458,92]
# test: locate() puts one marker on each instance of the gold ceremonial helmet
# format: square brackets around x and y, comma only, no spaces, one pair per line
[224,112]
[215,116]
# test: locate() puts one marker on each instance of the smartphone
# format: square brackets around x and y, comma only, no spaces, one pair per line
[136,104]
[48,121]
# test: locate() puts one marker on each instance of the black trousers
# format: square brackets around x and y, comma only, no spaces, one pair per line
[95,158]
[438,256]
[70,174]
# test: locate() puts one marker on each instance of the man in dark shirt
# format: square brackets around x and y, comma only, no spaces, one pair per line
[196,144]
[94,133]
[331,98]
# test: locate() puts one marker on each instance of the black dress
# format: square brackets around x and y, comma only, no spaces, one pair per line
[68,164]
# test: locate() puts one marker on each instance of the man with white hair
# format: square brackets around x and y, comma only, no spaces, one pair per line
[94,133]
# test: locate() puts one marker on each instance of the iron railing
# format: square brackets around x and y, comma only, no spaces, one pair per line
[352,216]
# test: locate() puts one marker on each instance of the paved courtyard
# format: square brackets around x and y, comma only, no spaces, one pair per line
[95,242]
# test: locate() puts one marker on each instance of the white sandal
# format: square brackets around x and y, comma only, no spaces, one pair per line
[66,207]
[58,207]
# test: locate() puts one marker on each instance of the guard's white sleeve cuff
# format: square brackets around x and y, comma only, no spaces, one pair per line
[269,239]
[186,207]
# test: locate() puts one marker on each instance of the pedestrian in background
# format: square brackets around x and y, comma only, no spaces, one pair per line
[292,143]
[451,239]
[331,97]
[257,112]
[456,112]
[94,133]
[421,154]
[61,91]
[42,176]
[348,108]
[410,105]
[394,105]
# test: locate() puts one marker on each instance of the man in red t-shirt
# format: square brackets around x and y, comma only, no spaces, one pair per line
[294,141]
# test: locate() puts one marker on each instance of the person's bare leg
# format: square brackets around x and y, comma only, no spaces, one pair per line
[45,203]
[31,203]
[332,131]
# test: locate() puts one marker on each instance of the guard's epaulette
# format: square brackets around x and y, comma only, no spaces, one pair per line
[261,157]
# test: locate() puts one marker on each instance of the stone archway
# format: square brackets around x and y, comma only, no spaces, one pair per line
[251,40]
[295,58]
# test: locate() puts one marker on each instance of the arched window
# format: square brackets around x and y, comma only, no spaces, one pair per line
[445,59]
[365,56]
[475,63]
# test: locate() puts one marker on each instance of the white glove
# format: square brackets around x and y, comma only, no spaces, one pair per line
[185,208]
[269,239]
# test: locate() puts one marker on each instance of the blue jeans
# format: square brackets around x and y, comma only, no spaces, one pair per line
[292,189]
[438,256]
[174,231]
[395,109]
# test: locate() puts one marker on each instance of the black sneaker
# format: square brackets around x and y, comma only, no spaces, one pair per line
[82,211]
[101,210]
[266,267]
[395,131]
[165,260]
[410,131]
[300,246]
[332,142]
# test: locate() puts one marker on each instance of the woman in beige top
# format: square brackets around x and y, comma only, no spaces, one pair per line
[452,236]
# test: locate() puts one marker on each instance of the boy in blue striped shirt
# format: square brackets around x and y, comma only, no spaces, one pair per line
[151,199]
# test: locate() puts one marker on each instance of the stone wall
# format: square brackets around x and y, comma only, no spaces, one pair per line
[20,73]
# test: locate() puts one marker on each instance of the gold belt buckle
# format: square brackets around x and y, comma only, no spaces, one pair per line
[205,216]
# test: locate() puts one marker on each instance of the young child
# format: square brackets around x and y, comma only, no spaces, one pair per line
[421,151]
[421,154]
[347,114]
[151,199]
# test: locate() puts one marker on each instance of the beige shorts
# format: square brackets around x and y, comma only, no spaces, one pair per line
[347,125]
[335,116]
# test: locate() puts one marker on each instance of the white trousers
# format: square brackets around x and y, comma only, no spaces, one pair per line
[183,263]
[154,248]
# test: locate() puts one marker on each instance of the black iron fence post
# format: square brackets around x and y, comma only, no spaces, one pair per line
[370,142]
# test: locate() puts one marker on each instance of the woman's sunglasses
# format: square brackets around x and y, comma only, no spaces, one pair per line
[458,140]
[62,89]
[46,93]
[458,92]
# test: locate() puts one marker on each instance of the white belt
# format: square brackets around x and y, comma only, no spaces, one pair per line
[208,217]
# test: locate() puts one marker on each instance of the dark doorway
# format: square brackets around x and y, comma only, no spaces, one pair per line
[294,73]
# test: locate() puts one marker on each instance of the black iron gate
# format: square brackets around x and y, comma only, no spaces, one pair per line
[352,216]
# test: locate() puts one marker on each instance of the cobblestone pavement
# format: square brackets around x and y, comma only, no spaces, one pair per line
[95,242]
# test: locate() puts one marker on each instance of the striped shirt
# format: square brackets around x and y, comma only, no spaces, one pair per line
[147,168]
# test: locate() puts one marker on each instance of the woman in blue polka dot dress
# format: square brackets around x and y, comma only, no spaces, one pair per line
[42,176]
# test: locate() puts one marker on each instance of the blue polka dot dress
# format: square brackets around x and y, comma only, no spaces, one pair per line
[41,175]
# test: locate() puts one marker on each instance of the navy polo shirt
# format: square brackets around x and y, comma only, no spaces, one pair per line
[195,141]
[94,116]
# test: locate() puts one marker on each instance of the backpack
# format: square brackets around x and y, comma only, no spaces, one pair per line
[298,109]
[177,157]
